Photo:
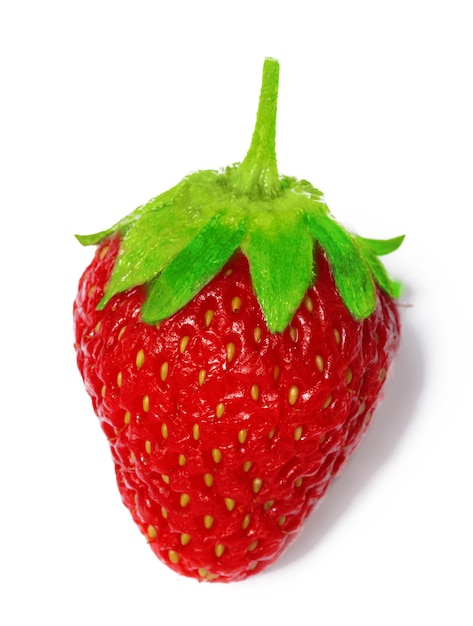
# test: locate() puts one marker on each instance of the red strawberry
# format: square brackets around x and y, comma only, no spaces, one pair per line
[235,342]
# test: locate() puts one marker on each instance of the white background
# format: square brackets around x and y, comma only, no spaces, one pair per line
[106,104]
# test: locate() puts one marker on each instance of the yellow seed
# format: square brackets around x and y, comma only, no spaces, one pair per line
[164,371]
[173,556]
[382,374]
[146,403]
[184,499]
[132,458]
[202,572]
[293,333]
[252,545]
[257,334]
[255,392]
[140,358]
[319,363]
[164,512]
[298,482]
[183,343]
[148,447]
[230,350]
[219,550]
[103,252]
[254,565]
[246,521]
[185,538]
[209,479]
[293,394]
[271,433]
[349,376]
[327,402]
[208,317]
[297,433]
[182,460]
[196,432]
[202,376]
[217,455]
[97,326]
[91,291]
[276,372]
[282,520]
[229,503]
[120,334]
[119,379]
[267,505]
[152,534]
[220,410]
[309,305]
[247,466]
[322,438]
[236,304]
[127,418]
[103,391]
[257,484]
[165,478]
[368,417]
[208,521]
[164,431]
[242,435]
[336,336]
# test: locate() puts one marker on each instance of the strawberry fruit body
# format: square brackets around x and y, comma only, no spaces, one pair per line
[235,341]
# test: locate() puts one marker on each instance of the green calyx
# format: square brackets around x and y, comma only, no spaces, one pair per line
[177,242]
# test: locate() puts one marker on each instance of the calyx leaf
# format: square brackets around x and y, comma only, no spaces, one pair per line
[280,252]
[193,267]
[379,247]
[371,249]
[351,273]
[151,241]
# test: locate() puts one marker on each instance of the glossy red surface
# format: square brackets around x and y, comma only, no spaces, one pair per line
[224,436]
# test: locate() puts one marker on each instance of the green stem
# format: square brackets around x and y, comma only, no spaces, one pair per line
[257,175]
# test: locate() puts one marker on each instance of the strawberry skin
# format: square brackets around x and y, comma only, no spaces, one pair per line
[225,435]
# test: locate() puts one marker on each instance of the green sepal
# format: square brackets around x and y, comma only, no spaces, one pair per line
[351,273]
[307,189]
[280,252]
[381,247]
[165,199]
[397,288]
[95,238]
[371,249]
[149,245]
[194,266]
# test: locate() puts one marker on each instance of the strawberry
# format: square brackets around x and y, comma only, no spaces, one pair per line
[235,341]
